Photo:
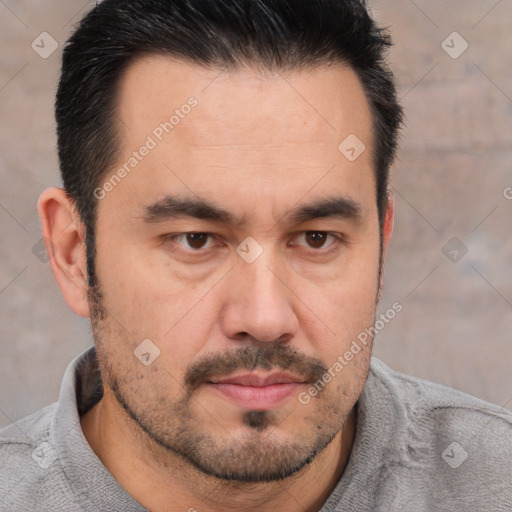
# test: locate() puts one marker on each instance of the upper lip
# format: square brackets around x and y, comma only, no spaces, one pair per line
[258,380]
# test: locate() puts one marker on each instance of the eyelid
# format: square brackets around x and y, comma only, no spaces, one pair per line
[338,239]
[172,237]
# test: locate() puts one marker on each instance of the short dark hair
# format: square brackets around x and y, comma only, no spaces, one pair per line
[275,34]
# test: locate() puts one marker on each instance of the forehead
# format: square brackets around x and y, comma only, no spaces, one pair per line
[220,132]
[309,100]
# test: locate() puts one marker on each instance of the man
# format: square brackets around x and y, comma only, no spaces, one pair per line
[224,223]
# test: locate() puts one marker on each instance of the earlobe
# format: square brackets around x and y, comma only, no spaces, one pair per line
[64,236]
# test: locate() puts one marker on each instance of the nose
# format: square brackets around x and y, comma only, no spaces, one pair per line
[259,305]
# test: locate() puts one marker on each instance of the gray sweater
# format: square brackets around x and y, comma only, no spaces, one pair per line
[419,446]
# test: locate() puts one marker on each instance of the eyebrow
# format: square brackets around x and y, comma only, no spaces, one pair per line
[171,207]
[341,207]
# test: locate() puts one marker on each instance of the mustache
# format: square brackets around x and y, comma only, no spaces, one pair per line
[260,356]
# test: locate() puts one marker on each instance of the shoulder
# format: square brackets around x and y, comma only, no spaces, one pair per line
[439,407]
[450,447]
[18,440]
[30,472]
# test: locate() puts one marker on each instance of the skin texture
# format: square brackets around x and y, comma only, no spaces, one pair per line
[258,145]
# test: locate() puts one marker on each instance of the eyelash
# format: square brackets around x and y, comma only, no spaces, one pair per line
[338,239]
[184,235]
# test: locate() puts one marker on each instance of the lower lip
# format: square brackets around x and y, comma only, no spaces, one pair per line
[257,398]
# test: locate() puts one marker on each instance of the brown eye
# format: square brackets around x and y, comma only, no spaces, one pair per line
[192,241]
[316,239]
[197,240]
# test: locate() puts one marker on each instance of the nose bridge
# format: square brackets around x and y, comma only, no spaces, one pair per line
[260,304]
[263,280]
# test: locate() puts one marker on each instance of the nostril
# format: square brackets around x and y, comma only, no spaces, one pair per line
[245,336]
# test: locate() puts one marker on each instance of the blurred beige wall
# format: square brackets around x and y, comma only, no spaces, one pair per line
[450,261]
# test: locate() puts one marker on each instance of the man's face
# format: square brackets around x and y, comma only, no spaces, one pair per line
[244,326]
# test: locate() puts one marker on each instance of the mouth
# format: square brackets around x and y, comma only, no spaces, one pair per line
[254,391]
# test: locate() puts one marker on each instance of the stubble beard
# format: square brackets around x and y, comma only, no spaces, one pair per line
[258,454]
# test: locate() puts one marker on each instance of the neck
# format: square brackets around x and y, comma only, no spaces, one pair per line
[155,478]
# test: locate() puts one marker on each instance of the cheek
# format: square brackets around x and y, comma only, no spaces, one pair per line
[344,306]
[344,311]
[148,302]
[346,346]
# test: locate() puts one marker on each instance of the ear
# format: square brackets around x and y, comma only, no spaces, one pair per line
[389,221]
[64,239]
[387,231]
